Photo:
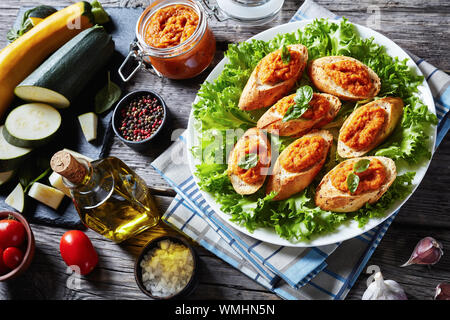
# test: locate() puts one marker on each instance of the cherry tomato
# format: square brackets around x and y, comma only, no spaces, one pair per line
[12,233]
[3,268]
[12,257]
[77,250]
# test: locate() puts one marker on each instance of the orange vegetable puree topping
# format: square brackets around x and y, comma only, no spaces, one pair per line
[365,127]
[319,106]
[171,26]
[251,144]
[303,153]
[351,76]
[273,70]
[369,180]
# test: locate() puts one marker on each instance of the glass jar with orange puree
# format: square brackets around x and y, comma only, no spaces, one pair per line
[173,37]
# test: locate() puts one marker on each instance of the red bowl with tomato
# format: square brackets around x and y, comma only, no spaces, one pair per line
[17,245]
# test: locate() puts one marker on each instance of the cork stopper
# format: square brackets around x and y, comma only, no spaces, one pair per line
[66,165]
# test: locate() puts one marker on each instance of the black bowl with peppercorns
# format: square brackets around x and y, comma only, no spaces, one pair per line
[138,118]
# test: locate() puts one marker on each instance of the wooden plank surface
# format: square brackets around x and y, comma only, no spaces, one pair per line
[420,27]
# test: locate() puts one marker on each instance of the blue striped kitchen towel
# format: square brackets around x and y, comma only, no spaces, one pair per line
[326,272]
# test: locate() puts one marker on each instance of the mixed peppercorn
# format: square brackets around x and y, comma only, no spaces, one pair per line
[140,118]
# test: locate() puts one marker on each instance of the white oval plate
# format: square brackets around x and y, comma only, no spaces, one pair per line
[344,231]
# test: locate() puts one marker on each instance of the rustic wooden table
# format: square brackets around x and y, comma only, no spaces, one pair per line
[421,27]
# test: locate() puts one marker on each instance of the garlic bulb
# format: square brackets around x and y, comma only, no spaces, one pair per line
[442,291]
[382,289]
[428,251]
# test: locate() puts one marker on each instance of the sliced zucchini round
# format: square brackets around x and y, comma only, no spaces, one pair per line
[31,125]
[10,156]
[6,176]
[16,198]
[37,93]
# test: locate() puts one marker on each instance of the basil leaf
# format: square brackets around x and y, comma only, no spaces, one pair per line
[302,98]
[107,96]
[361,166]
[294,112]
[248,161]
[303,95]
[285,54]
[352,182]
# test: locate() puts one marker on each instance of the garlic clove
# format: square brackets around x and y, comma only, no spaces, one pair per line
[381,289]
[428,251]
[442,291]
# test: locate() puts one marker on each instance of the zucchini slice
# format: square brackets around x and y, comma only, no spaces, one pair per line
[16,198]
[11,156]
[41,94]
[47,195]
[56,181]
[31,125]
[88,123]
[62,77]
[6,176]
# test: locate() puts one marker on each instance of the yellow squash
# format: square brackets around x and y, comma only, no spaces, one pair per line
[21,57]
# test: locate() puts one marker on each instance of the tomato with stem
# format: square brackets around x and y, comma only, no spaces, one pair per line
[12,233]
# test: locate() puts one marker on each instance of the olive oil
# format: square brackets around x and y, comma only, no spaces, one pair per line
[110,198]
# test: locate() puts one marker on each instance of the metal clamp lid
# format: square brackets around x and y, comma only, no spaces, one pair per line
[215,11]
[137,54]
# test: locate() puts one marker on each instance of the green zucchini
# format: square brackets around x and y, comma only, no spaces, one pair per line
[42,11]
[16,198]
[31,125]
[11,156]
[29,19]
[60,79]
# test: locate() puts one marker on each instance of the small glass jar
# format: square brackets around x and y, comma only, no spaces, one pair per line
[183,61]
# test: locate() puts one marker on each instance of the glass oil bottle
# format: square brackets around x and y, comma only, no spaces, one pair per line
[110,198]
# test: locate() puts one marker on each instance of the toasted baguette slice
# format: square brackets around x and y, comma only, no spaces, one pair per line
[287,183]
[325,83]
[271,121]
[330,198]
[258,95]
[394,111]
[239,185]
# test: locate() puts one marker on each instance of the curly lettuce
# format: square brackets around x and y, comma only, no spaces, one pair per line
[297,218]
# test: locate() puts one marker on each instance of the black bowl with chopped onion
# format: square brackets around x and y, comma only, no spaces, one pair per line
[166,268]
[138,118]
